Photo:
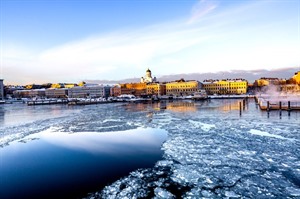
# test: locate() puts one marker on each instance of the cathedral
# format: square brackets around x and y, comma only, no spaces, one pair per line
[148,77]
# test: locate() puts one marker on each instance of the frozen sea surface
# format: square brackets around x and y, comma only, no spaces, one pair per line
[215,153]
[211,152]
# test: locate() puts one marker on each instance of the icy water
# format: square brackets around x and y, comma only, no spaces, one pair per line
[182,149]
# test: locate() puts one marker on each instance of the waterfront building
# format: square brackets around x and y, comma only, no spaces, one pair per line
[39,93]
[296,78]
[115,91]
[56,93]
[83,92]
[148,77]
[9,89]
[107,90]
[1,89]
[182,87]
[225,86]
[157,89]
[136,89]
[266,81]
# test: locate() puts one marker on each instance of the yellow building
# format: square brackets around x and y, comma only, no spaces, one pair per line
[182,87]
[296,77]
[261,82]
[156,89]
[226,86]
[266,81]
[137,89]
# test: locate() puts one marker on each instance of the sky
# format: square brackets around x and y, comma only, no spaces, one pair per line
[59,41]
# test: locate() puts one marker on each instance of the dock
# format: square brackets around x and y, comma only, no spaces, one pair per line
[242,96]
[47,102]
[278,103]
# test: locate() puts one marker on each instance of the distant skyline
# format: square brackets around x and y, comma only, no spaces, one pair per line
[70,41]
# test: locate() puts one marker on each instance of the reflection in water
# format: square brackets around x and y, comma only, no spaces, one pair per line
[15,114]
[109,143]
[229,105]
[70,165]
[182,106]
[175,106]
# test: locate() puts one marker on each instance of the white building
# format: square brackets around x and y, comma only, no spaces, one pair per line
[83,92]
[56,93]
[148,77]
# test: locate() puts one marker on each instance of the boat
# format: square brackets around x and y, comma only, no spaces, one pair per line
[2,102]
[200,95]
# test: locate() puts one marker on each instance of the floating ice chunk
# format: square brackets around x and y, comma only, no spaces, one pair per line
[207,194]
[208,180]
[231,194]
[293,191]
[203,126]
[162,193]
[164,163]
[266,134]
[246,152]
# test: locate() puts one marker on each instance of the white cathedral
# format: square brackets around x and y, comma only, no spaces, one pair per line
[148,77]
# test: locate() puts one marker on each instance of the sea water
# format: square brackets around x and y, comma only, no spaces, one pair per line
[167,149]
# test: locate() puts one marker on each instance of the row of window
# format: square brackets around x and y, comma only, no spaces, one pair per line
[181,90]
[228,88]
[217,85]
[181,86]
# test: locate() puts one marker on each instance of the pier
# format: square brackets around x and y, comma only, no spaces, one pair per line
[47,102]
[279,103]
[242,96]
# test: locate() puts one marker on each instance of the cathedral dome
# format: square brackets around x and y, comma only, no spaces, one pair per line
[148,71]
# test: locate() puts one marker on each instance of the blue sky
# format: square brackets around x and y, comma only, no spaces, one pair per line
[69,41]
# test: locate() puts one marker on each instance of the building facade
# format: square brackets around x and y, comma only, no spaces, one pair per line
[136,89]
[226,86]
[39,93]
[56,93]
[266,81]
[115,91]
[156,89]
[1,89]
[84,92]
[182,87]
[296,78]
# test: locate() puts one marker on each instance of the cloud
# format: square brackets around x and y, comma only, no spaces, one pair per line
[95,56]
[200,9]
[123,48]
[230,39]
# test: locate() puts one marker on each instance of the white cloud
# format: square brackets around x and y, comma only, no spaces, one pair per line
[200,9]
